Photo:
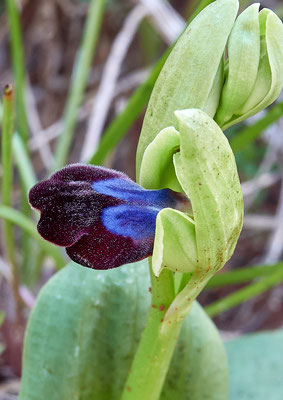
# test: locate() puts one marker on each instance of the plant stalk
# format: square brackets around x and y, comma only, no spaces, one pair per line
[152,360]
[7,180]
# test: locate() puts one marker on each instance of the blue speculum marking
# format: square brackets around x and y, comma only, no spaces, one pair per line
[133,221]
[135,194]
[136,218]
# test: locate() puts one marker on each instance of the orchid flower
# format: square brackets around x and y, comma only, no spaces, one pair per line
[101,216]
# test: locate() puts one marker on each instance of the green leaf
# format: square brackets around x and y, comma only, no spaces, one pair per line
[208,174]
[256,365]
[244,54]
[83,333]
[188,75]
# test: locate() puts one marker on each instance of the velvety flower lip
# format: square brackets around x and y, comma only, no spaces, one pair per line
[101,216]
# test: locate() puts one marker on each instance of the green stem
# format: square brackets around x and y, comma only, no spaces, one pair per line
[16,217]
[7,181]
[79,81]
[152,360]
[242,275]
[245,294]
[18,65]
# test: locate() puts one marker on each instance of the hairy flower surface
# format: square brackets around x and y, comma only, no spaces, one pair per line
[101,216]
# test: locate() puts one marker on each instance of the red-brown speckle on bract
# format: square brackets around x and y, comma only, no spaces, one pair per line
[149,289]
[153,306]
[128,388]
[162,307]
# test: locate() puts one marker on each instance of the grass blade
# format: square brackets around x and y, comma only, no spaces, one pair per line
[242,275]
[245,294]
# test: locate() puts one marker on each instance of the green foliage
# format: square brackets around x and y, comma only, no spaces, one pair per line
[84,330]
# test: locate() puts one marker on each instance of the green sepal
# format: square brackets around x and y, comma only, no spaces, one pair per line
[269,80]
[188,76]
[208,174]
[175,242]
[244,55]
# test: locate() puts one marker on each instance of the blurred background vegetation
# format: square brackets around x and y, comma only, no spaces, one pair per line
[83,72]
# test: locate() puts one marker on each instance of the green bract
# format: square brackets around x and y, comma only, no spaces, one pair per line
[192,76]
[254,74]
[204,165]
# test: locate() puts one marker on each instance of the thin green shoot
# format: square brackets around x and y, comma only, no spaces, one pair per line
[7,182]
